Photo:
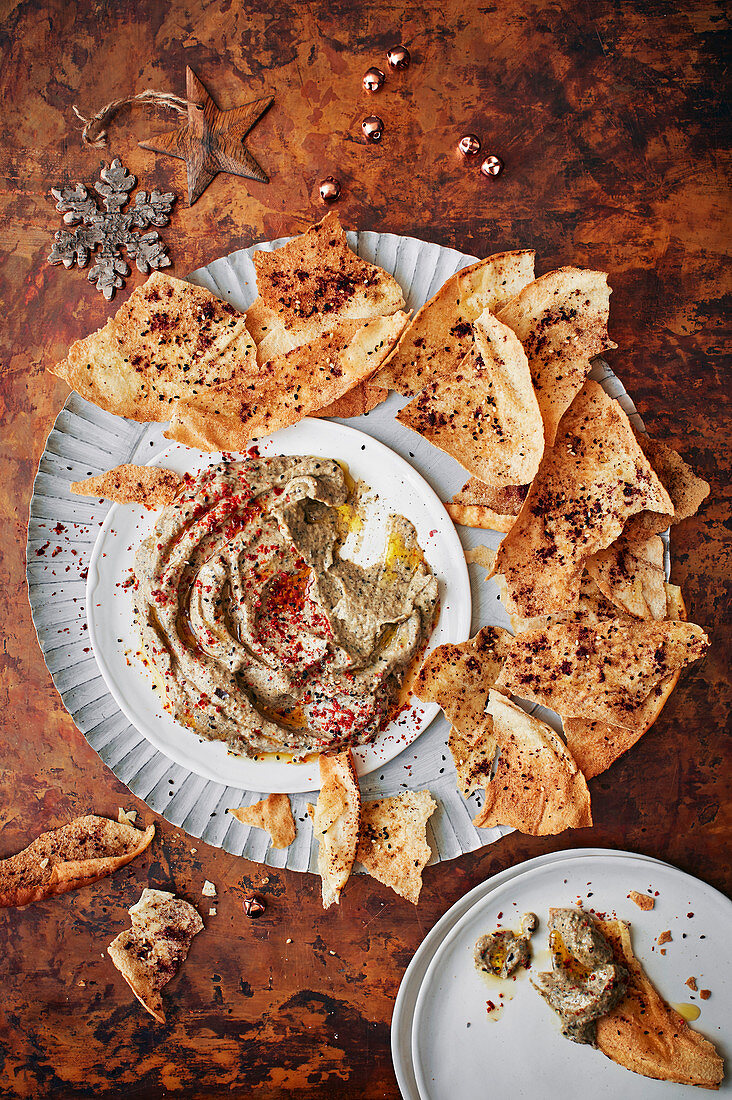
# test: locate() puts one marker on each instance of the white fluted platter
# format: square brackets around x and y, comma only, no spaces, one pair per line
[63,529]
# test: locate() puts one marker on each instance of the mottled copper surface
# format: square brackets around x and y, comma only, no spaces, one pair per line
[609,120]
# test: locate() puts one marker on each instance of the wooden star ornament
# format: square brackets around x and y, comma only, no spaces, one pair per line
[212,141]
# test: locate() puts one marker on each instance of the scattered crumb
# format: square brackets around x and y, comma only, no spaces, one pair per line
[209,890]
[665,937]
[663,951]
[288,940]
[643,901]
[691,982]
[705,994]
[193,851]
[126,817]
[331,952]
[82,984]
[212,911]
[265,881]
[44,862]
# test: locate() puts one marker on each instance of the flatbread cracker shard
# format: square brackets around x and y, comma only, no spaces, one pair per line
[603,672]
[129,484]
[274,814]
[459,678]
[686,490]
[287,388]
[485,414]
[393,843]
[537,787]
[561,319]
[312,284]
[484,506]
[440,334]
[67,858]
[336,820]
[645,1034]
[356,402]
[151,952]
[170,340]
[587,487]
[630,573]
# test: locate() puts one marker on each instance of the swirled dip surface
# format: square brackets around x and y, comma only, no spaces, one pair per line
[263,635]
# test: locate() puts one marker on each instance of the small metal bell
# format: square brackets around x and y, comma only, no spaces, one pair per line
[492,166]
[398,57]
[373,79]
[373,128]
[330,190]
[469,145]
[254,906]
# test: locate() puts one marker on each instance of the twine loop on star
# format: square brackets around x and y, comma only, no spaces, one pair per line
[94,132]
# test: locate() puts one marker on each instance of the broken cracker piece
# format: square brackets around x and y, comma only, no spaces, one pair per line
[67,858]
[149,954]
[393,844]
[274,814]
[336,819]
[128,484]
[643,901]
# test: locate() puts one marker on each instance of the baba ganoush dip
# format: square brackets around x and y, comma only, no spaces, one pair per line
[585,982]
[261,633]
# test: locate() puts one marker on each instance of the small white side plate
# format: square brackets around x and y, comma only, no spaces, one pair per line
[522,1053]
[115,640]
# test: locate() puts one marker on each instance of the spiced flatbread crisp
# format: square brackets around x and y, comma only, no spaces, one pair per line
[484,506]
[356,402]
[75,855]
[170,340]
[686,490]
[129,484]
[645,1034]
[561,320]
[336,821]
[287,388]
[630,573]
[486,414]
[587,487]
[151,952]
[274,814]
[441,332]
[393,844]
[537,787]
[312,284]
[603,672]
[459,678]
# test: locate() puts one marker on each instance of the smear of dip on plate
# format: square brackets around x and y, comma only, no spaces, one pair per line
[268,616]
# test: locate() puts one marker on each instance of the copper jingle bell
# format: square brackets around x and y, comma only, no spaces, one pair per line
[469,145]
[254,906]
[373,128]
[492,166]
[398,57]
[373,79]
[330,190]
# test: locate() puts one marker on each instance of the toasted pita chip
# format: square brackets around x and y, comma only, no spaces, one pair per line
[393,844]
[441,333]
[686,490]
[170,340]
[128,484]
[312,284]
[537,788]
[561,319]
[597,745]
[287,388]
[458,678]
[643,901]
[481,505]
[486,414]
[75,855]
[630,573]
[481,555]
[336,820]
[603,672]
[274,814]
[357,402]
[645,1034]
[587,487]
[151,952]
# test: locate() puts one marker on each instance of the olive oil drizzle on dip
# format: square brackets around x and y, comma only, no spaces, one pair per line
[264,636]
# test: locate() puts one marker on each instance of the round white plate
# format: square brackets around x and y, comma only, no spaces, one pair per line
[458,1047]
[110,606]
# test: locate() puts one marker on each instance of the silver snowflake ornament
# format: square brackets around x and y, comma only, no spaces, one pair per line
[112,230]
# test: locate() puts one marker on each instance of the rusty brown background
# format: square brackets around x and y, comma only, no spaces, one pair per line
[609,116]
